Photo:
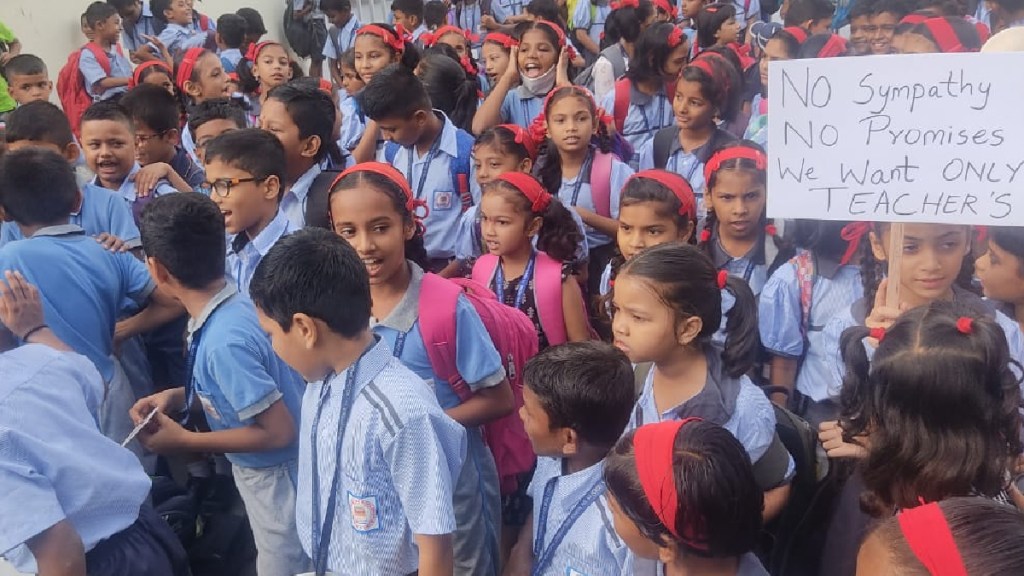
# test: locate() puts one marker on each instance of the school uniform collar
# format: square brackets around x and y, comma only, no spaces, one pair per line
[194,324]
[373,361]
[703,152]
[720,257]
[179,28]
[302,185]
[449,141]
[640,98]
[405,314]
[716,402]
[147,12]
[578,483]
[267,237]
[419,31]
[127,189]
[59,230]
[229,52]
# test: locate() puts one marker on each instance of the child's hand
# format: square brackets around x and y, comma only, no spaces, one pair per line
[163,402]
[148,177]
[163,435]
[831,437]
[882,316]
[20,308]
[512,70]
[111,242]
[562,75]
[586,215]
[488,21]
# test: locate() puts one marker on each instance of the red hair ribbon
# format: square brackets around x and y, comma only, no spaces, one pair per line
[965,325]
[705,235]
[928,536]
[853,233]
[667,8]
[187,65]
[981,235]
[675,37]
[653,449]
[539,198]
[232,76]
[834,47]
[394,40]
[431,38]
[796,32]
[391,173]
[468,66]
[945,36]
[877,333]
[561,37]
[500,39]
[137,75]
[254,49]
[734,153]
[620,4]
[677,185]
[521,136]
[326,86]
[723,279]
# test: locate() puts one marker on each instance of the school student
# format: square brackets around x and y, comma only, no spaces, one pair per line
[230,37]
[178,34]
[576,402]
[717,25]
[212,118]
[409,15]
[453,88]
[495,57]
[136,22]
[199,76]
[1000,270]
[156,116]
[74,501]
[884,18]
[249,397]
[254,27]
[782,46]
[103,83]
[941,35]
[626,23]
[27,79]
[587,25]
[684,498]
[378,458]
[155,72]
[813,16]
[342,34]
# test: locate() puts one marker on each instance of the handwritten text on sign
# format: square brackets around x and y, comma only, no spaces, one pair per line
[922,138]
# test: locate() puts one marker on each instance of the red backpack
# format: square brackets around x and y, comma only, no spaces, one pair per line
[74,95]
[515,339]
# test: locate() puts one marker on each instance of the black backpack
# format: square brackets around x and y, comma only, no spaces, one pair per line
[317,206]
[613,54]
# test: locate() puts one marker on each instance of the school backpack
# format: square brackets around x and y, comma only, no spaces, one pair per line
[515,339]
[621,107]
[74,95]
[614,55]
[317,206]
[601,183]
[306,36]
[460,165]
[666,137]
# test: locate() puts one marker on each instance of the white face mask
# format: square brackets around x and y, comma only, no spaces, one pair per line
[540,85]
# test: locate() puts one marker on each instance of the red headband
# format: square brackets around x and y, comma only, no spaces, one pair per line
[734,153]
[944,35]
[653,449]
[928,536]
[431,38]
[620,4]
[675,37]
[521,136]
[834,47]
[538,128]
[394,40]
[703,63]
[502,40]
[388,171]
[677,185]
[667,8]
[796,32]
[561,38]
[853,233]
[137,75]
[254,49]
[539,198]
[187,65]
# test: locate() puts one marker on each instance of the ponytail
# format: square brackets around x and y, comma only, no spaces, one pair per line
[742,340]
[559,236]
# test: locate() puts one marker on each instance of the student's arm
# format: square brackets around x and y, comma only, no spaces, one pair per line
[367,148]
[58,551]
[783,373]
[582,36]
[332,65]
[775,501]
[486,405]
[574,311]
[149,176]
[13,49]
[489,113]
[161,309]
[273,428]
[520,560]
[437,555]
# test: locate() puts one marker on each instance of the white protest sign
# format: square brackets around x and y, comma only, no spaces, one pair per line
[917,138]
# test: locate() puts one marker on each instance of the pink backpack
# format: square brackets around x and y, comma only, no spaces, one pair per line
[548,292]
[601,183]
[515,339]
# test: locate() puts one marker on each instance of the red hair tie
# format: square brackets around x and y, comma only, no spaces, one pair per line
[620,4]
[734,153]
[412,204]
[667,8]
[187,65]
[653,450]
[468,66]
[877,333]
[675,37]
[796,32]
[705,235]
[254,49]
[771,230]
[965,325]
[677,185]
[137,75]
[326,86]
[232,76]
[522,137]
[539,198]
[928,536]
[394,40]
[503,40]
[834,47]
[853,233]
[944,35]
[723,279]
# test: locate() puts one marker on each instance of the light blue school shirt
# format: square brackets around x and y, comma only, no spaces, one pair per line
[128,192]
[757,126]
[352,124]
[468,247]
[520,107]
[430,177]
[101,212]
[591,545]
[245,253]
[178,39]
[81,285]
[229,58]
[502,9]
[419,31]
[645,116]
[469,19]
[54,462]
[751,267]
[593,23]
[131,36]
[687,164]
[780,318]
[400,458]
[341,39]
[237,375]
[293,203]
[749,565]
[620,172]
[747,10]
[92,72]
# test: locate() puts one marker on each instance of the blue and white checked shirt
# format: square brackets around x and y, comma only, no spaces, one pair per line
[400,459]
[293,203]
[244,254]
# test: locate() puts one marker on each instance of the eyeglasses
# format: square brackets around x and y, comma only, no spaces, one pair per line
[145,138]
[222,186]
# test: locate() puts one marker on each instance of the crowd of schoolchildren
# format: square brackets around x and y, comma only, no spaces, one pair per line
[490,291]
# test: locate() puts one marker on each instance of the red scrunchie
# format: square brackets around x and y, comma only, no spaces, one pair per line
[521,136]
[853,233]
[965,325]
[877,333]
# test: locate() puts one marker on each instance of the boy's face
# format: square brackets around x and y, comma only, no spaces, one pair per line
[291,346]
[403,131]
[130,14]
[860,41]
[409,21]
[339,18]
[87,30]
[109,150]
[25,88]
[210,130]
[247,204]
[823,26]
[179,12]
[883,26]
[108,30]
[152,147]
[545,441]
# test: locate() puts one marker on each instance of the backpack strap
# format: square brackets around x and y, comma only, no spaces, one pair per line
[438,299]
[461,168]
[614,55]
[804,262]
[390,151]
[640,373]
[600,183]
[317,205]
[662,144]
[621,107]
[101,57]
[770,469]
[484,269]
[204,22]
[547,296]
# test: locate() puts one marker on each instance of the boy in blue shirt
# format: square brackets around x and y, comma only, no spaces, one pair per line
[156,116]
[577,399]
[136,22]
[179,34]
[105,25]
[230,35]
[427,155]
[249,397]
[378,458]
[245,171]
[341,36]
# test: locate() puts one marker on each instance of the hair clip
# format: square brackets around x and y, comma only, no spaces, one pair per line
[877,333]
[965,325]
[705,235]
[723,279]
[771,230]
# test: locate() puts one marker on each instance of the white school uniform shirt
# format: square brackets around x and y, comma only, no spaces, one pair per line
[400,458]
[577,192]
[590,546]
[244,254]
[645,115]
[341,39]
[293,204]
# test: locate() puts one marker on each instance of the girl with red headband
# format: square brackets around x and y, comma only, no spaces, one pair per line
[155,72]
[684,498]
[783,46]
[373,208]
[667,303]
[1001,268]
[199,76]
[460,40]
[625,24]
[665,11]
[496,56]
[939,35]
[530,237]
[265,66]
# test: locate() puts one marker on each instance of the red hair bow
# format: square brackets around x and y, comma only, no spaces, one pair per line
[675,37]
[877,333]
[965,325]
[521,136]
[723,279]
[853,233]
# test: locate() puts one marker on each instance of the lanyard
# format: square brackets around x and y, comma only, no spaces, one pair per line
[583,175]
[524,282]
[322,529]
[657,118]
[418,192]
[400,344]
[193,353]
[544,554]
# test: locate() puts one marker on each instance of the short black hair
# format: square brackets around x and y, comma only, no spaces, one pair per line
[341,5]
[153,107]
[119,4]
[157,7]
[216,109]
[98,12]
[311,272]
[109,110]
[231,28]
[38,187]
[394,92]
[409,7]
[256,151]
[584,386]
[435,13]
[23,65]
[313,111]
[185,232]
[253,20]
[801,11]
[39,121]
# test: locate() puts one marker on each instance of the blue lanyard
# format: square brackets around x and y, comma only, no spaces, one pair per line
[400,344]
[193,353]
[418,192]
[544,554]
[583,175]
[524,282]
[322,529]
[658,117]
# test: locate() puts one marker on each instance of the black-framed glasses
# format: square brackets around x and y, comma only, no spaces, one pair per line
[222,186]
[145,138]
